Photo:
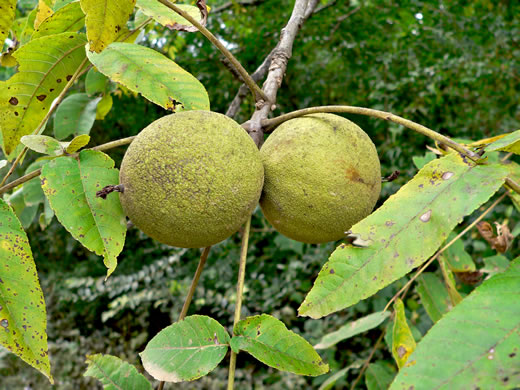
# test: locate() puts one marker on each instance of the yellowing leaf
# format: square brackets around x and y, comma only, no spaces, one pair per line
[7,11]
[77,143]
[105,19]
[46,64]
[44,11]
[403,343]
[68,18]
[104,106]
[168,17]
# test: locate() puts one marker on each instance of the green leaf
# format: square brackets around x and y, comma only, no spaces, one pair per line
[508,143]
[115,374]
[476,345]
[28,28]
[23,318]
[164,15]
[186,350]
[434,295]
[421,161]
[32,189]
[46,216]
[457,258]
[68,18]
[77,143]
[7,12]
[269,340]
[332,379]
[104,106]
[95,82]
[495,264]
[352,328]
[46,64]
[25,213]
[75,115]
[378,376]
[403,343]
[71,184]
[104,20]
[153,75]
[43,144]
[399,238]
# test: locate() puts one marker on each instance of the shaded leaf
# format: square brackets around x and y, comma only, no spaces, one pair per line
[115,374]
[456,256]
[68,18]
[403,343]
[23,319]
[332,379]
[421,161]
[186,350]
[77,143]
[46,216]
[378,376]
[104,106]
[434,295]
[352,328]
[7,12]
[104,20]
[43,144]
[96,82]
[28,28]
[46,64]
[75,115]
[495,264]
[449,282]
[70,184]
[506,143]
[153,75]
[32,189]
[171,19]
[25,213]
[476,345]
[400,239]
[269,340]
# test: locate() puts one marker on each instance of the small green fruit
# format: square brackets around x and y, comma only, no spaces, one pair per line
[191,179]
[322,175]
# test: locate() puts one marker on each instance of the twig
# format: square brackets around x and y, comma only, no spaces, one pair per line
[230,4]
[367,362]
[33,174]
[432,259]
[240,292]
[270,124]
[258,94]
[47,116]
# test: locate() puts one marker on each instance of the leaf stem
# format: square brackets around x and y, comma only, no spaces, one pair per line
[47,116]
[240,292]
[434,257]
[269,124]
[257,92]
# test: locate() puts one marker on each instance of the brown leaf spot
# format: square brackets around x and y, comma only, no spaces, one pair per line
[332,271]
[41,98]
[401,351]
[58,81]
[13,101]
[69,77]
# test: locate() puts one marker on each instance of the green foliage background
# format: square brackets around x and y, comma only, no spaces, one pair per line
[452,66]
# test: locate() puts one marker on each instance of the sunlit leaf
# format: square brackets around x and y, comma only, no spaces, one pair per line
[269,340]
[403,343]
[23,318]
[68,18]
[77,143]
[43,144]
[399,238]
[434,296]
[71,184]
[7,12]
[153,75]
[352,328]
[115,374]
[378,376]
[104,20]
[46,64]
[104,106]
[476,345]
[164,15]
[508,143]
[186,350]
[44,12]
[75,115]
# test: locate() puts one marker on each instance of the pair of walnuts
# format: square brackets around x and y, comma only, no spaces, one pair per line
[191,179]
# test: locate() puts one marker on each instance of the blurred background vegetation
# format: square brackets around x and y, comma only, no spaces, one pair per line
[452,66]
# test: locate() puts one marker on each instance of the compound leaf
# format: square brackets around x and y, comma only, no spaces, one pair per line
[352,328]
[7,12]
[75,115]
[23,318]
[71,184]
[104,20]
[46,64]
[153,75]
[269,340]
[186,350]
[475,345]
[115,374]
[398,238]
[68,18]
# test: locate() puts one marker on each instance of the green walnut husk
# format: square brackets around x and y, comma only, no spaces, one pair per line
[322,175]
[191,179]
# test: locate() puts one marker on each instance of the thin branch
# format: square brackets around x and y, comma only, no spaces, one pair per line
[33,174]
[230,4]
[47,116]
[434,257]
[240,292]
[270,124]
[367,362]
[258,94]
